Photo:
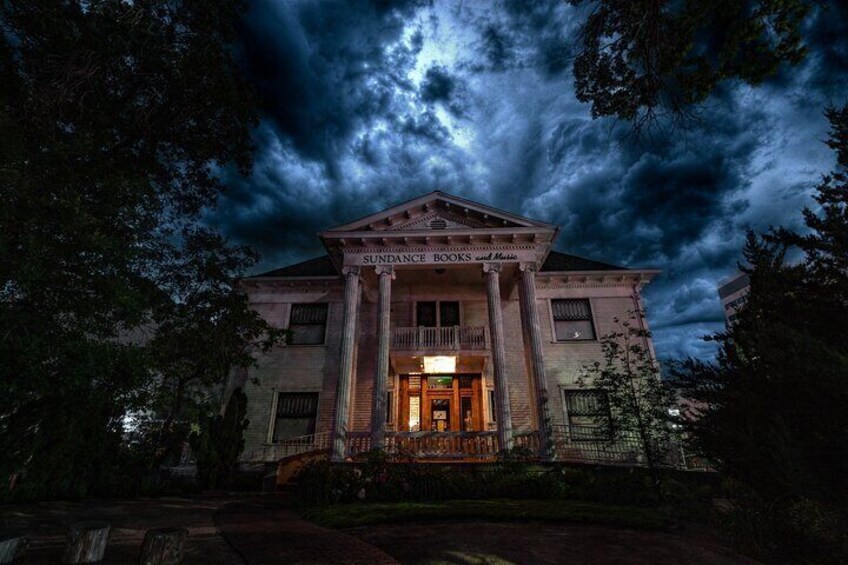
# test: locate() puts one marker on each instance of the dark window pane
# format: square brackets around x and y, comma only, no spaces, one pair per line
[572,319]
[574,330]
[426,314]
[308,324]
[296,412]
[465,381]
[493,407]
[449,313]
[584,409]
[388,407]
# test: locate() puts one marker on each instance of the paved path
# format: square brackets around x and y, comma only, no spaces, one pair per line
[504,543]
[45,525]
[267,531]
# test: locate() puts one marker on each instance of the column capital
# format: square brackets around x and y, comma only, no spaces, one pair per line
[492,268]
[385,270]
[354,270]
[528,266]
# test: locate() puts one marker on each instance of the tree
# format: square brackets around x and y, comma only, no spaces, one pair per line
[637,400]
[205,331]
[646,60]
[111,114]
[773,405]
[219,442]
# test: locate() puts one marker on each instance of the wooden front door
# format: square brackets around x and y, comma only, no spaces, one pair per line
[440,403]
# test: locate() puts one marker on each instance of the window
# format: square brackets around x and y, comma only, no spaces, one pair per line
[584,410]
[308,323]
[296,413]
[389,407]
[493,407]
[432,314]
[573,319]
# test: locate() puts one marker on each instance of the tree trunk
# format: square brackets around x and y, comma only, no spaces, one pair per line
[10,545]
[86,542]
[163,546]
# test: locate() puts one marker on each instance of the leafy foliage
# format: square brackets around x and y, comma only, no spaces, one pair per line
[771,411]
[112,298]
[644,60]
[638,400]
[219,442]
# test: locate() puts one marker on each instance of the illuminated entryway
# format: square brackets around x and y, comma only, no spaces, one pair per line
[440,403]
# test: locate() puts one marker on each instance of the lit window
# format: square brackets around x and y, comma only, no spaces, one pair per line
[573,319]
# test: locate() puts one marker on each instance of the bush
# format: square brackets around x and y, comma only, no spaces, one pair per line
[378,477]
[784,530]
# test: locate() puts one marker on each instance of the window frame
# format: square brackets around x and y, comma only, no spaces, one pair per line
[272,428]
[326,323]
[438,304]
[555,339]
[564,394]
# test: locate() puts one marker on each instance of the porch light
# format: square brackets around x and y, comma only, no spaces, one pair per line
[440,364]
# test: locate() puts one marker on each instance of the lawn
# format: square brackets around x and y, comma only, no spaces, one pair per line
[363,514]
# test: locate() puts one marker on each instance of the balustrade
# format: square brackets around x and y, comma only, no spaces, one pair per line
[453,338]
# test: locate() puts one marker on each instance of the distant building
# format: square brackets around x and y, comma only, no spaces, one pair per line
[733,293]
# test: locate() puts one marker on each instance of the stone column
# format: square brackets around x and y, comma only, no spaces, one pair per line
[530,316]
[385,273]
[493,295]
[351,306]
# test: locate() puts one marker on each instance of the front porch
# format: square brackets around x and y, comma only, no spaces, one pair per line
[570,445]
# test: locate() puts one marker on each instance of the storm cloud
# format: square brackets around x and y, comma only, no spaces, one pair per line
[366,104]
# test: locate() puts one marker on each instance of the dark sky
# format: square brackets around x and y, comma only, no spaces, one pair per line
[369,104]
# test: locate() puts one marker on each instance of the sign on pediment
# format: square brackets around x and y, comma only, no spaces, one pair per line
[439,256]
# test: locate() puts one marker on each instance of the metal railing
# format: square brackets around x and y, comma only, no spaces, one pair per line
[453,338]
[586,444]
[291,446]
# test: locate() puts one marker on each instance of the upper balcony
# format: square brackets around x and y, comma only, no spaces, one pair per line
[448,338]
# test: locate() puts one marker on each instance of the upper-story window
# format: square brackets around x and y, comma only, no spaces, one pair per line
[573,319]
[441,313]
[308,324]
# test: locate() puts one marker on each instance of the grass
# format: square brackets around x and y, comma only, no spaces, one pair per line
[353,515]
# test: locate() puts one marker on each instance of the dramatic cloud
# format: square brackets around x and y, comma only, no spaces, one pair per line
[367,104]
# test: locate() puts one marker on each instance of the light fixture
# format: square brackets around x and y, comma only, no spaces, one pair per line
[440,364]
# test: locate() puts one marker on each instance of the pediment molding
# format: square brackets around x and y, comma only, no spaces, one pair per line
[429,221]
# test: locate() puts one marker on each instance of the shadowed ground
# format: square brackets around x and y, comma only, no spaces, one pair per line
[507,543]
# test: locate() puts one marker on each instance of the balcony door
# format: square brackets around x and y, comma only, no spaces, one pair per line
[440,403]
[442,313]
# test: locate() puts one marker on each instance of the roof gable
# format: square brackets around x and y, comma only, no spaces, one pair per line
[440,211]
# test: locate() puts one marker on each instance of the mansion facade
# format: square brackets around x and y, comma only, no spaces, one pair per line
[439,327]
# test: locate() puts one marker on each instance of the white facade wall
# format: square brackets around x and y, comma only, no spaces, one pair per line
[315,368]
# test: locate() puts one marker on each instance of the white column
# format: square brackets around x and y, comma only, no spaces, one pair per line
[385,273]
[530,317]
[351,306]
[493,296]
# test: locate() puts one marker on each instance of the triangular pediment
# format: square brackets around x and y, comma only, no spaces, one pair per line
[438,211]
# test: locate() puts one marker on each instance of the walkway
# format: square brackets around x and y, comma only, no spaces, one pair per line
[267,531]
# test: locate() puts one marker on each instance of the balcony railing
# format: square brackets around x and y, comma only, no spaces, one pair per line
[291,446]
[452,338]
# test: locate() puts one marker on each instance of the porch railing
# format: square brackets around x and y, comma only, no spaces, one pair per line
[452,338]
[291,446]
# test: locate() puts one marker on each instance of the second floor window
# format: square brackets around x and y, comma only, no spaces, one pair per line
[572,319]
[308,324]
[442,313]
